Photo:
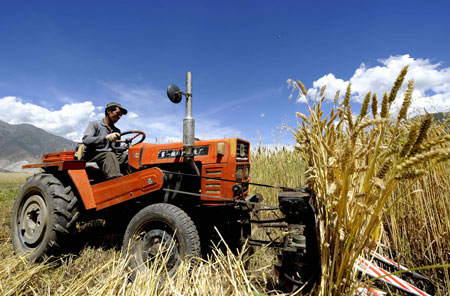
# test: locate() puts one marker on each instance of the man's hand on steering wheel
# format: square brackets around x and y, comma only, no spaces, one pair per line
[113,137]
[128,141]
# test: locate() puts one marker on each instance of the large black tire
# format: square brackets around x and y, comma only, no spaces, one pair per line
[43,216]
[160,227]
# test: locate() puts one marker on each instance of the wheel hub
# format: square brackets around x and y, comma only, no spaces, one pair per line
[158,242]
[33,219]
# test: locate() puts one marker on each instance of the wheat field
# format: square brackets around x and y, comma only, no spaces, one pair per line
[381,180]
[381,183]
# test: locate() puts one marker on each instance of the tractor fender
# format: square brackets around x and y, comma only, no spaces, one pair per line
[81,181]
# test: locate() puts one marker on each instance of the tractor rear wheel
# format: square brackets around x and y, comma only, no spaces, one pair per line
[43,215]
[163,233]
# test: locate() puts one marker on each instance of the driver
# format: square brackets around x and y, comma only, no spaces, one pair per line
[99,136]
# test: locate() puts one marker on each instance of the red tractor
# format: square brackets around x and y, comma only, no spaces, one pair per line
[175,193]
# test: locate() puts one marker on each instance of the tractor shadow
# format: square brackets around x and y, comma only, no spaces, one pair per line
[96,234]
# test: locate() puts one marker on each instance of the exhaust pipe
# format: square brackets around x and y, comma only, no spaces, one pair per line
[189,127]
[188,121]
[175,95]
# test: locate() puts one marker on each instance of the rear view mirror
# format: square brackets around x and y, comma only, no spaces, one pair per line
[174,93]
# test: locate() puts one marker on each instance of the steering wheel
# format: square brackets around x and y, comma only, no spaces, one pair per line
[128,141]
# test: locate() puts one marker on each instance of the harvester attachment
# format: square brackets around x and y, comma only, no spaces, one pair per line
[299,259]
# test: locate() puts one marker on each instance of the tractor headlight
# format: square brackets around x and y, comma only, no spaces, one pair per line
[242,150]
[239,173]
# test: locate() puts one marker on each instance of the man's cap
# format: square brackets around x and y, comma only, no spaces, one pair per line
[114,104]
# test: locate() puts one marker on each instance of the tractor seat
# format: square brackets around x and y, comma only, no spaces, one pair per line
[79,154]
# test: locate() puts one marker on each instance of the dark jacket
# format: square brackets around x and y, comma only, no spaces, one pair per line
[94,138]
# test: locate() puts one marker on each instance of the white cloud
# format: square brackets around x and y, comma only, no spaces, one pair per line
[69,121]
[262,115]
[333,84]
[432,83]
[207,128]
[148,110]
[132,115]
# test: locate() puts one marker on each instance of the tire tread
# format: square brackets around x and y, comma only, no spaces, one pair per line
[62,215]
[176,217]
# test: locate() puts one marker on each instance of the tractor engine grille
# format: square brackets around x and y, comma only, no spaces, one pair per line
[242,151]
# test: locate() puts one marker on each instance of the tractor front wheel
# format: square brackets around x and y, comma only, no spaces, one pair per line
[160,233]
[43,215]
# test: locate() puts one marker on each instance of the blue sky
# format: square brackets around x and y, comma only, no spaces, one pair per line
[61,62]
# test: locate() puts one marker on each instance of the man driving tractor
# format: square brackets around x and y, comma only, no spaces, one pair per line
[100,137]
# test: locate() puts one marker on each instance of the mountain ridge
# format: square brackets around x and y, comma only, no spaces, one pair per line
[24,143]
